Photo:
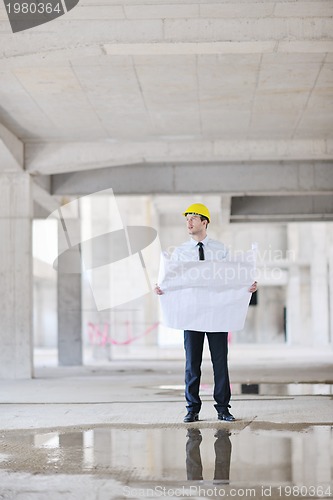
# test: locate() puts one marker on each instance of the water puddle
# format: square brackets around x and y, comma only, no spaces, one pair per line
[259,389]
[133,456]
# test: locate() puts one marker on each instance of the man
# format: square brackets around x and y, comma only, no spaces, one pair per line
[201,247]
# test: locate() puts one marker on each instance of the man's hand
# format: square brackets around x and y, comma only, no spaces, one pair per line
[157,290]
[253,287]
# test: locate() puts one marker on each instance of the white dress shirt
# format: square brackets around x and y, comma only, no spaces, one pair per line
[188,251]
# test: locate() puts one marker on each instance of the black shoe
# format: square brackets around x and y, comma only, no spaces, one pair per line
[226,415]
[191,417]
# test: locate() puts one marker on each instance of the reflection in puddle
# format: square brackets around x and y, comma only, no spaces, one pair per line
[222,449]
[261,389]
[227,455]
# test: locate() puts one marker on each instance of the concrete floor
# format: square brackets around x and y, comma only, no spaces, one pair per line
[115,431]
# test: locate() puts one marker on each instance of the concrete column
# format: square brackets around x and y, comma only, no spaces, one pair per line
[97,325]
[103,447]
[323,447]
[68,443]
[319,285]
[16,276]
[294,323]
[150,310]
[69,309]
[330,278]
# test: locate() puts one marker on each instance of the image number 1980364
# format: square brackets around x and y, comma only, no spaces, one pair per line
[26,14]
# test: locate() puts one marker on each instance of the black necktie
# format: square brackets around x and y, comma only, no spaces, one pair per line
[201,251]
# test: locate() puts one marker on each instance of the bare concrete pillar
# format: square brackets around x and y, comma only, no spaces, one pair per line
[151,313]
[69,305]
[319,285]
[16,351]
[96,214]
[330,278]
[294,323]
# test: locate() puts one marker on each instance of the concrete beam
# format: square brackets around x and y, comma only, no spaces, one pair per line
[11,151]
[222,178]
[200,48]
[42,58]
[55,158]
[281,208]
[39,212]
[142,23]
[44,201]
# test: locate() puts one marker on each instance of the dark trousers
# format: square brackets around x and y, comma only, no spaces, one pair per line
[218,346]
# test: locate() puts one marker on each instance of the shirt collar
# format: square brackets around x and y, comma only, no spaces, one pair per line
[194,242]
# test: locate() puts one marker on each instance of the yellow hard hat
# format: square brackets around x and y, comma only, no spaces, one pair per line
[198,209]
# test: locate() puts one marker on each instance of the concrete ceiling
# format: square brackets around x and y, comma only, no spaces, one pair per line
[133,82]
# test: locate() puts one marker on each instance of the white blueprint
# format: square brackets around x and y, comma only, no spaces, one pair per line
[209,296]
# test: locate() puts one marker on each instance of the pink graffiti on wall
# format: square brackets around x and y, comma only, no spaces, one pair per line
[100,335]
